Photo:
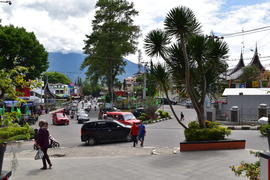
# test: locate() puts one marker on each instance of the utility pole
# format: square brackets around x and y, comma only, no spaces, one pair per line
[144,79]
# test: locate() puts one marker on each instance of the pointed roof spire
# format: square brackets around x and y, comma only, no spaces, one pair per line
[256,60]
[239,65]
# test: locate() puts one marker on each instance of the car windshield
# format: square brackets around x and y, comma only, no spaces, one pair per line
[84,115]
[60,115]
[129,116]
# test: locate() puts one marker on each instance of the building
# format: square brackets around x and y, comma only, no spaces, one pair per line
[246,99]
[60,90]
[233,75]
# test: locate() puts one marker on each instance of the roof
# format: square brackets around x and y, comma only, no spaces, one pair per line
[256,61]
[239,66]
[246,91]
[235,75]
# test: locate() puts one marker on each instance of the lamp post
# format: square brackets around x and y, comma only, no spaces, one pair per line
[8,2]
[144,79]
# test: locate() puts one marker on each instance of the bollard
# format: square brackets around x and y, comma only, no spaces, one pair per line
[265,166]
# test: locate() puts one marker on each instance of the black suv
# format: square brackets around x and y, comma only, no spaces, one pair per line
[104,131]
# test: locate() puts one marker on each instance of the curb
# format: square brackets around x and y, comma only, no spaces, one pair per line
[243,127]
[158,120]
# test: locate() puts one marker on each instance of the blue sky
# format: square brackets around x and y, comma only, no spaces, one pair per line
[61,25]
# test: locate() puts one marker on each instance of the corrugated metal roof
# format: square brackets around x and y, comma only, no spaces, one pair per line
[246,91]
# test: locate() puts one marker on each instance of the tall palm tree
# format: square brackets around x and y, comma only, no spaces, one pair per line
[162,77]
[192,58]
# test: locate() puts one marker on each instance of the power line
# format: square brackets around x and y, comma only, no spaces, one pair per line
[251,31]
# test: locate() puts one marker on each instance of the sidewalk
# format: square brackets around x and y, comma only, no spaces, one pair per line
[132,163]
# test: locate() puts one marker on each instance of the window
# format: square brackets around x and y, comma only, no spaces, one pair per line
[90,125]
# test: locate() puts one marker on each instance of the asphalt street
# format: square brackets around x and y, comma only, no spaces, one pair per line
[121,161]
[162,134]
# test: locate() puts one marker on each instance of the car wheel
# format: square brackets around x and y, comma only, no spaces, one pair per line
[128,138]
[53,123]
[91,141]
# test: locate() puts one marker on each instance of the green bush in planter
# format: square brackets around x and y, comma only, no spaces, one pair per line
[212,132]
[163,114]
[264,128]
[15,132]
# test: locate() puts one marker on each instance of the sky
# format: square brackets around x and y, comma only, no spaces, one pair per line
[61,25]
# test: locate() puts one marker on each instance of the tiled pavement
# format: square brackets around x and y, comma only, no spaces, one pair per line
[203,165]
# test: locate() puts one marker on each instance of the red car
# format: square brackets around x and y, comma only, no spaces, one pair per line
[60,118]
[124,117]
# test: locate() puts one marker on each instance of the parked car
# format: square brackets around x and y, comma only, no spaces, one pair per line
[137,112]
[166,101]
[123,117]
[93,132]
[188,104]
[263,120]
[60,118]
[82,117]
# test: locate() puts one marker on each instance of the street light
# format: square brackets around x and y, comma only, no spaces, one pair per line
[144,79]
[8,2]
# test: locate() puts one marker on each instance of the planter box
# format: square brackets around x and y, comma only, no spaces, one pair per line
[212,145]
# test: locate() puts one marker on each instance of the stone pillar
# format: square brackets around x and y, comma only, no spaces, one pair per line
[235,116]
[262,111]
[211,114]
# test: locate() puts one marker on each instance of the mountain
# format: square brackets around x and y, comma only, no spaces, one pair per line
[69,64]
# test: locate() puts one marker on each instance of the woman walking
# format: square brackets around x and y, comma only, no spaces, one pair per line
[43,143]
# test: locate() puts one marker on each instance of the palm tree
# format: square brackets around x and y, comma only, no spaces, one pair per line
[162,77]
[193,59]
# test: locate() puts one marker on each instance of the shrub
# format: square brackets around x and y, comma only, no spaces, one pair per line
[250,170]
[14,132]
[212,132]
[163,114]
[264,128]
[150,107]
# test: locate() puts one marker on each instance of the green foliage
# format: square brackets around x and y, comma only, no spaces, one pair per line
[91,88]
[150,107]
[212,132]
[191,58]
[56,77]
[250,73]
[15,132]
[163,114]
[249,170]
[113,36]
[264,128]
[21,48]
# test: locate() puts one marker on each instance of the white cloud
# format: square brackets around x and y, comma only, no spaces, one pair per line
[61,25]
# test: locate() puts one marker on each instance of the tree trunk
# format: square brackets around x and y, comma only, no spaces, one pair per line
[170,104]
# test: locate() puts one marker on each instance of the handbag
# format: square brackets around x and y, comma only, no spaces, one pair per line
[39,155]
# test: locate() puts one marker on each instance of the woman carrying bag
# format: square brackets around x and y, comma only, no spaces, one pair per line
[43,143]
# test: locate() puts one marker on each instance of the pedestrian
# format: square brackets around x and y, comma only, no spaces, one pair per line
[182,117]
[134,133]
[43,143]
[142,133]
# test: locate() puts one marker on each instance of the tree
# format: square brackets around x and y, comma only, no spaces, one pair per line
[21,48]
[90,88]
[114,36]
[9,79]
[56,77]
[193,59]
[162,78]
[250,73]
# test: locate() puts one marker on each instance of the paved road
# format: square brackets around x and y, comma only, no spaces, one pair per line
[120,161]
[163,134]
